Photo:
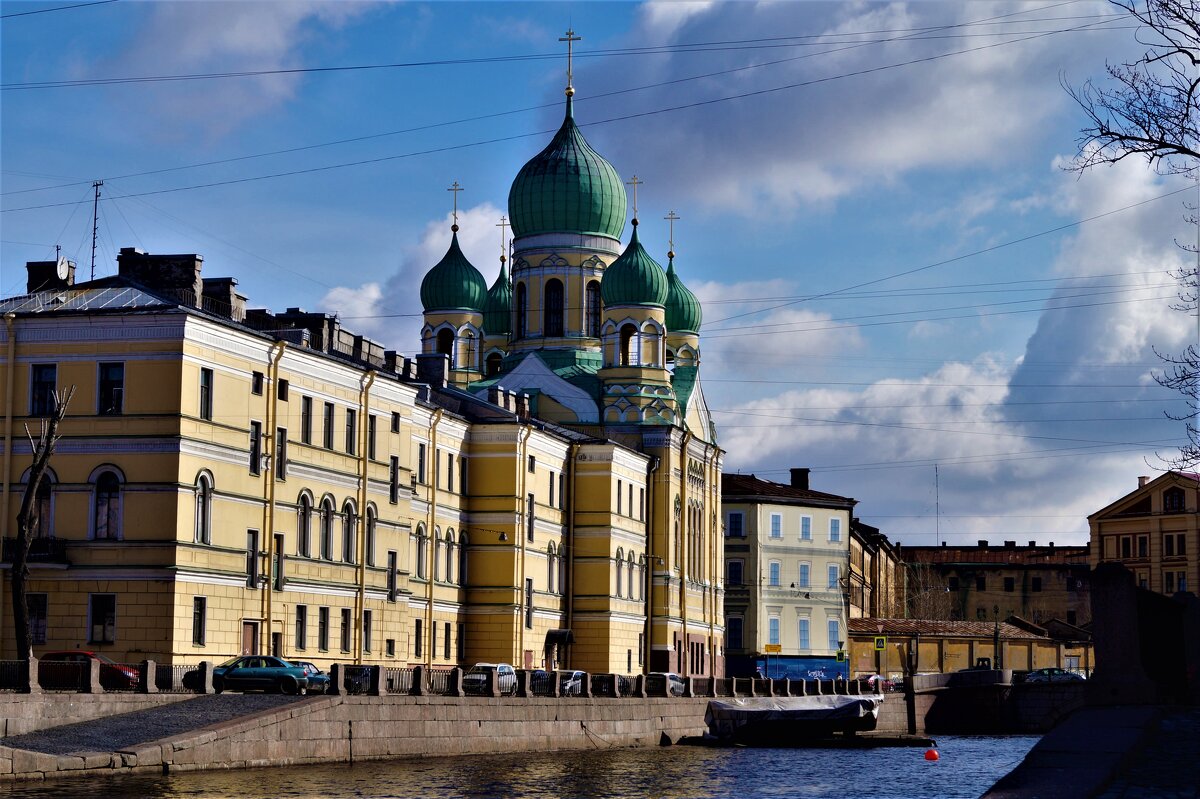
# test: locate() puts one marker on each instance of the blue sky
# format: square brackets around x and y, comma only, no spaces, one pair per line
[872,198]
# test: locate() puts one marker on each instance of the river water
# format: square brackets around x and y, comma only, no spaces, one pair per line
[968,767]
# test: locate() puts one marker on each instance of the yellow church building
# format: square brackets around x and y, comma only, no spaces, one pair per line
[540,485]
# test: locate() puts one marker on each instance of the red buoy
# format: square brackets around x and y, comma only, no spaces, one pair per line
[932,755]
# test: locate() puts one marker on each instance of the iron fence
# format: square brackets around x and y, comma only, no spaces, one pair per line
[702,686]
[541,683]
[357,679]
[397,680]
[169,679]
[14,675]
[724,686]
[602,685]
[121,676]
[439,681]
[64,676]
[625,685]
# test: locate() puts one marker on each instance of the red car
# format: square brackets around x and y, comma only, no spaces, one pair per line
[68,669]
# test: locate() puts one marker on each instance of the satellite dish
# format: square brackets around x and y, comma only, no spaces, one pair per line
[63,267]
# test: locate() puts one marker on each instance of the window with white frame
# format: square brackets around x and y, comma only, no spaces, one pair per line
[735,527]
[776,525]
[835,633]
[204,495]
[802,635]
[835,529]
[106,522]
[102,618]
[773,630]
[773,573]
[806,528]
[805,579]
[834,573]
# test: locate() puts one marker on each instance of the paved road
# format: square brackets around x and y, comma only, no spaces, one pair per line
[1167,763]
[142,726]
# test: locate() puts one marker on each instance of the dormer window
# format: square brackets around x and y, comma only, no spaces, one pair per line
[1173,500]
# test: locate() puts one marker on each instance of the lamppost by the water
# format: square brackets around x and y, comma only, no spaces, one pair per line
[998,661]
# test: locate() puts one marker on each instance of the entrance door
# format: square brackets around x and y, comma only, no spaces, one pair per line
[277,644]
[249,638]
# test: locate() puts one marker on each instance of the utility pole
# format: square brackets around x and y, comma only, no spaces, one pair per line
[96,184]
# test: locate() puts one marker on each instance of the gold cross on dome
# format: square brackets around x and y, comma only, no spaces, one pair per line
[570,39]
[635,182]
[503,236]
[671,218]
[455,188]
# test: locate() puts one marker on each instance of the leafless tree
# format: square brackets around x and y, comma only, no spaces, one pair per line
[927,594]
[28,517]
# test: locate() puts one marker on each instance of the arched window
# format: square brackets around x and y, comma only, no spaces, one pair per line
[204,494]
[620,570]
[349,533]
[327,529]
[421,551]
[494,361]
[107,510]
[592,309]
[642,578]
[632,573]
[304,526]
[550,564]
[45,508]
[370,532]
[449,556]
[522,306]
[437,554]
[468,350]
[462,558]
[552,308]
[445,343]
[629,346]
[1173,500]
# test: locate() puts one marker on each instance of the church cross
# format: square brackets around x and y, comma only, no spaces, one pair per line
[671,218]
[570,39]
[635,182]
[455,188]
[503,238]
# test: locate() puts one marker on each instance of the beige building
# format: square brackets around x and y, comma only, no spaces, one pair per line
[787,560]
[1153,532]
[876,573]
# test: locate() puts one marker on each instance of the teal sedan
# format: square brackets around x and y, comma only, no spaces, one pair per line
[255,673]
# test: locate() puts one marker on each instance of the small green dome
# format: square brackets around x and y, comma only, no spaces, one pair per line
[683,309]
[634,278]
[497,308]
[567,188]
[454,284]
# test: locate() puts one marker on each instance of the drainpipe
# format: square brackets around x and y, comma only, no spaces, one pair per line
[9,378]
[684,513]
[572,452]
[647,647]
[523,471]
[715,567]
[430,516]
[276,354]
[360,599]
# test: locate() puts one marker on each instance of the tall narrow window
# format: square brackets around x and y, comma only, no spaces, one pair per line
[199,619]
[366,633]
[422,544]
[107,512]
[528,603]
[206,394]
[462,475]
[620,572]
[44,505]
[446,641]
[773,630]
[351,430]
[43,380]
[281,453]
[433,639]
[733,632]
[593,308]
[776,525]
[417,638]
[833,576]
[102,618]
[255,447]
[282,387]
[629,345]
[395,422]
[530,520]
[620,494]
[323,629]
[204,493]
[551,562]
[552,308]
[462,558]
[301,627]
[394,480]
[345,629]
[349,533]
[327,530]
[450,472]
[445,344]
[112,389]
[277,577]
[392,576]
[773,574]
[562,491]
[806,528]
[327,433]
[370,537]
[306,420]
[252,558]
[522,308]
[835,633]
[421,464]
[304,526]
[461,642]
[38,613]
[835,529]
[256,382]
[805,580]
[450,556]
[802,632]
[372,422]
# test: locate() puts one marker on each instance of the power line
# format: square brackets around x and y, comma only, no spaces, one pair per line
[56,8]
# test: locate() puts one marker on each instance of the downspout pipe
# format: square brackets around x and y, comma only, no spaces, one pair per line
[572,454]
[276,353]
[684,514]
[431,515]
[527,519]
[647,646]
[364,414]
[9,379]
[715,564]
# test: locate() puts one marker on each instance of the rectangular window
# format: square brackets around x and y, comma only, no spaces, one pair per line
[417,638]
[733,571]
[446,641]
[733,632]
[620,493]
[532,464]
[277,580]
[395,422]
[450,472]
[773,573]
[206,394]
[642,503]
[38,613]
[281,453]
[952,583]
[421,464]
[199,619]
[256,383]
[776,525]
[530,507]
[802,634]
[43,380]
[1126,546]
[301,627]
[392,575]
[389,647]
[306,420]
[1010,584]
[462,476]
[1168,545]
[255,447]
[372,422]
[773,630]
[835,633]
[366,631]
[1035,584]
[252,558]
[323,629]
[551,503]
[327,433]
[562,491]
[1168,582]
[631,499]
[102,618]
[112,389]
[805,570]
[282,387]
[834,572]
[351,430]
[394,480]
[460,643]
[433,639]
[981,583]
[1143,546]
[734,527]
[806,528]
[835,529]
[528,603]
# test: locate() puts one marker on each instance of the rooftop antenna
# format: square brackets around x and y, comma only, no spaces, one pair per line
[570,39]
[455,189]
[96,184]
[937,508]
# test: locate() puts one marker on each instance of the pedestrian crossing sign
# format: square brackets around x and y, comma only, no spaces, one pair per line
[880,643]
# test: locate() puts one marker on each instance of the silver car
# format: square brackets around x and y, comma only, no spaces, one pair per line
[475,680]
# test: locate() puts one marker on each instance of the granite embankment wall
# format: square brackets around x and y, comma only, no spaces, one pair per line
[334,729]
[22,713]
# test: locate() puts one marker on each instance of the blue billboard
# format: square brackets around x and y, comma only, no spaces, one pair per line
[801,668]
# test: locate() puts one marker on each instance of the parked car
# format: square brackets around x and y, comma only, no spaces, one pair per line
[65,670]
[570,683]
[1053,674]
[674,682]
[318,681]
[475,680]
[253,673]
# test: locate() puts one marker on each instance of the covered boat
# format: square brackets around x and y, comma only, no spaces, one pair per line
[790,720]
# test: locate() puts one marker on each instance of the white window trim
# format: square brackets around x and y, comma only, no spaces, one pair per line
[775,517]
[778,575]
[804,537]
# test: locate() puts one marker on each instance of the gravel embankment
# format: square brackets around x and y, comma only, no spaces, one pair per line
[142,726]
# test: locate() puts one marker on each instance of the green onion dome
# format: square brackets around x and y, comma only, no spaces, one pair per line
[497,308]
[454,284]
[683,309]
[634,278]
[567,188]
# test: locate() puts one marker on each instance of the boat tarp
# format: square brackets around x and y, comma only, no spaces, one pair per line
[725,716]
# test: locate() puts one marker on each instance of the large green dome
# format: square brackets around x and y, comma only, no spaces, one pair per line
[454,284]
[635,278]
[683,309]
[497,308]
[567,188]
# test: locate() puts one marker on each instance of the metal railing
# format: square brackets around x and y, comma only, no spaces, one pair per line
[601,684]
[397,680]
[541,683]
[62,676]
[439,681]
[357,679]
[169,679]
[41,550]
[702,686]
[14,675]
[120,676]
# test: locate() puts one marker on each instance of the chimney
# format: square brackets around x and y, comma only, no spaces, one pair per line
[493,395]
[49,275]
[221,298]
[1142,480]
[1051,545]
[433,368]
[177,276]
[982,543]
[1010,544]
[943,543]
[800,478]
[1033,543]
